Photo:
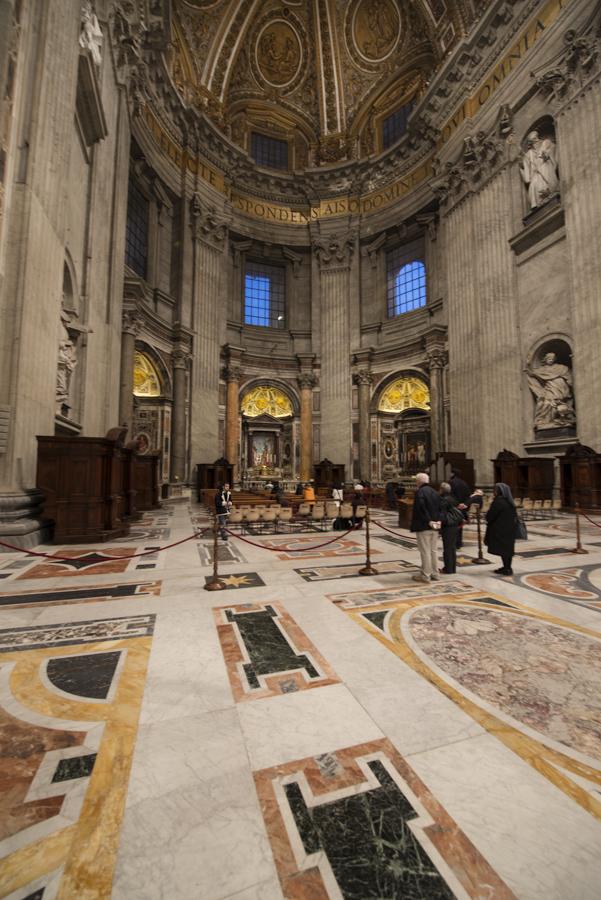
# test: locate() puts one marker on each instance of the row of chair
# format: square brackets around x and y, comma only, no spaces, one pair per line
[276,517]
[538,509]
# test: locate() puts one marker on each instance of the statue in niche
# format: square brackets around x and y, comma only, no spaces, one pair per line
[90,36]
[552,385]
[67,361]
[538,168]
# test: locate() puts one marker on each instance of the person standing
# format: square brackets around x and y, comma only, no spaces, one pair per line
[223,504]
[309,493]
[451,517]
[461,492]
[425,522]
[357,500]
[501,522]
[338,495]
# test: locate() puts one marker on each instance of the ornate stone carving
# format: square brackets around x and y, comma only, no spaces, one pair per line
[436,358]
[232,373]
[90,36]
[295,258]
[306,381]
[206,223]
[67,362]
[562,80]
[363,377]
[552,385]
[372,250]
[334,251]
[180,358]
[132,322]
[482,156]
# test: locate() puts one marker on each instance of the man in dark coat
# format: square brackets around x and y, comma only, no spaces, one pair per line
[223,504]
[425,522]
[501,521]
[462,493]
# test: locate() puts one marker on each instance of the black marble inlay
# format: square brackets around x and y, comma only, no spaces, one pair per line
[545,551]
[376,618]
[268,649]
[108,592]
[369,844]
[37,895]
[84,562]
[75,767]
[401,542]
[492,601]
[86,675]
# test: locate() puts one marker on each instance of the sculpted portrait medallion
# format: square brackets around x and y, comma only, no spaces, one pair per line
[376,27]
[278,53]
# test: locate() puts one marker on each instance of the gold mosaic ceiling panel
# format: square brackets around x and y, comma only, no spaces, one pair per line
[266,401]
[403,394]
[146,380]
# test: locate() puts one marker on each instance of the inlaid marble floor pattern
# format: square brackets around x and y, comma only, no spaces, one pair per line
[306,733]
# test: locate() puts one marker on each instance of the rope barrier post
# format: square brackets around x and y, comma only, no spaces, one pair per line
[367,569]
[214,583]
[578,548]
[481,559]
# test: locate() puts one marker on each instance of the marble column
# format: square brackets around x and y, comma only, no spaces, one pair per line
[436,357]
[180,359]
[232,411]
[334,253]
[306,384]
[210,237]
[364,379]
[132,324]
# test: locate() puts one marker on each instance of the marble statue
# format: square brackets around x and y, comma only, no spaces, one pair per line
[551,383]
[67,361]
[538,168]
[90,37]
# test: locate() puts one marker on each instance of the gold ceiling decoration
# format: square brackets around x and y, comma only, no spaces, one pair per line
[265,400]
[323,65]
[405,393]
[146,379]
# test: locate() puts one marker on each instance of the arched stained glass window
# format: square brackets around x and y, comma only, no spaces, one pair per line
[265,400]
[405,393]
[146,378]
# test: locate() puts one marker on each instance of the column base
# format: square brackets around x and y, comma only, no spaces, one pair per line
[21,522]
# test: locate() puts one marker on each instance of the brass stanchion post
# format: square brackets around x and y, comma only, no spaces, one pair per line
[481,559]
[214,584]
[367,569]
[578,548]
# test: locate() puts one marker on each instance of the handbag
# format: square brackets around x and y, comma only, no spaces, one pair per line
[521,532]
[454,516]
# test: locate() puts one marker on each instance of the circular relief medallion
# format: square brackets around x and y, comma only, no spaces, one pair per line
[278,53]
[376,28]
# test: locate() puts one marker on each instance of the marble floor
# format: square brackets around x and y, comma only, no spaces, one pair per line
[307,732]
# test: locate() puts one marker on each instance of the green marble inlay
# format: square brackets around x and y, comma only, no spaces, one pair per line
[369,844]
[267,647]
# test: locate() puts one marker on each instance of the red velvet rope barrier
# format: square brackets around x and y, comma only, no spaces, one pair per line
[289,549]
[384,527]
[588,519]
[103,555]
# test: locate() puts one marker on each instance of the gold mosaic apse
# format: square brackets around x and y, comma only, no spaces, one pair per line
[266,401]
[405,393]
[146,380]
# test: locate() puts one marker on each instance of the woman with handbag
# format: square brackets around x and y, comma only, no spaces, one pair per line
[452,519]
[501,525]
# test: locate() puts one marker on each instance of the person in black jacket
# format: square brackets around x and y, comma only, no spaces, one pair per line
[501,521]
[461,492]
[449,515]
[425,522]
[223,504]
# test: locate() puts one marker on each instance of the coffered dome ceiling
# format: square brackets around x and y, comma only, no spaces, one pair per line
[333,80]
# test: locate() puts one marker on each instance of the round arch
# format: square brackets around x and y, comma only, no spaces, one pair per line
[412,383]
[276,386]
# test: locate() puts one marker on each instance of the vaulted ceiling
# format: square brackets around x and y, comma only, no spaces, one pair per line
[321,74]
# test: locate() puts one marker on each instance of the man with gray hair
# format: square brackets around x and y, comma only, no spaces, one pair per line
[425,522]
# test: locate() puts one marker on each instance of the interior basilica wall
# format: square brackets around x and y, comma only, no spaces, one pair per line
[500,280]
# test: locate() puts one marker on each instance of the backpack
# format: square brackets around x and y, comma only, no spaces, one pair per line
[454,516]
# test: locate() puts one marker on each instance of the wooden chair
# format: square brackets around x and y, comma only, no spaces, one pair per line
[527,508]
[236,517]
[537,509]
[284,517]
[318,514]
[548,508]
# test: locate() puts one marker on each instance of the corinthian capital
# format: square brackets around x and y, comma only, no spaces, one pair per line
[206,223]
[306,381]
[334,251]
[131,322]
[232,373]
[436,358]
[363,376]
